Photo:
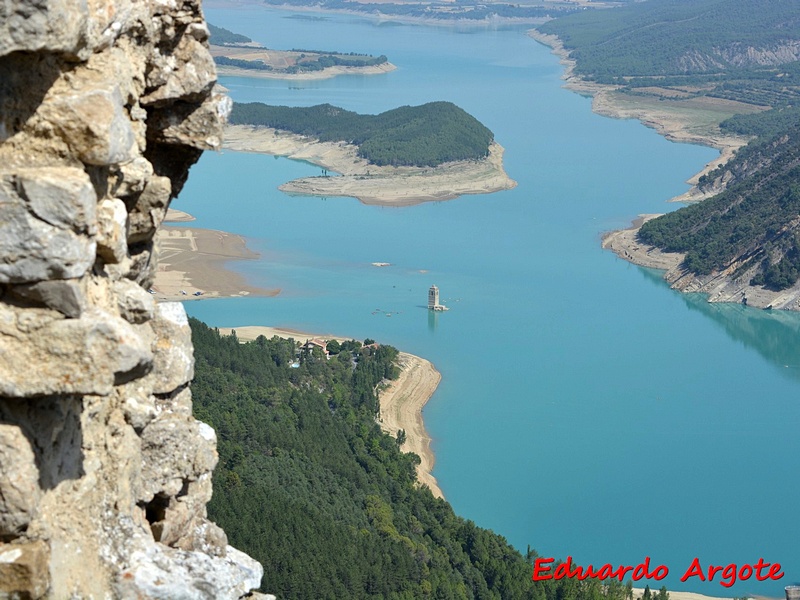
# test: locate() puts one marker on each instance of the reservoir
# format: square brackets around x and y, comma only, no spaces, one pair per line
[585,409]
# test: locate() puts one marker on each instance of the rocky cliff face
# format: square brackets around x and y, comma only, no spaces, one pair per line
[104,473]
[740,55]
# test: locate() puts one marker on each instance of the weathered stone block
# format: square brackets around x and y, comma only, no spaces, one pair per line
[42,354]
[174,454]
[19,483]
[24,571]
[62,197]
[51,25]
[65,296]
[130,178]
[184,525]
[186,73]
[47,225]
[135,304]
[112,222]
[95,125]
[149,210]
[140,266]
[204,536]
[139,409]
[190,125]
[173,361]
[162,573]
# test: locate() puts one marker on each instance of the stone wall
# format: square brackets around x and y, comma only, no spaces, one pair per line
[104,473]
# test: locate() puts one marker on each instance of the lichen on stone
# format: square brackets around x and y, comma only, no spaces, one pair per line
[104,473]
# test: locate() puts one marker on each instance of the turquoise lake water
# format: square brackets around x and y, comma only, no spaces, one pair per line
[585,409]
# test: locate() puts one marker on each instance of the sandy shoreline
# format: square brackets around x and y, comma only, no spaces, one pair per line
[327,73]
[387,186]
[401,402]
[669,119]
[194,260]
[401,408]
[677,123]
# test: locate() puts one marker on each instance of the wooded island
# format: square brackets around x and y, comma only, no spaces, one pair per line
[421,136]
[403,156]
[236,54]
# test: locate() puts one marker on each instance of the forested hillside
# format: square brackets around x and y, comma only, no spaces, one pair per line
[753,222]
[426,135]
[730,46]
[741,50]
[309,485]
[224,37]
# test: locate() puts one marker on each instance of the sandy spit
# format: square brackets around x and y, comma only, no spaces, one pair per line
[401,408]
[401,401]
[327,73]
[194,260]
[387,186]
[249,333]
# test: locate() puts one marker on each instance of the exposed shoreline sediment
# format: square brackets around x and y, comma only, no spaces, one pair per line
[193,260]
[669,122]
[371,184]
[326,73]
[720,287]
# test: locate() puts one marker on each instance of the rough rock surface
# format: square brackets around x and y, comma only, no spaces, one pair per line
[104,473]
[729,285]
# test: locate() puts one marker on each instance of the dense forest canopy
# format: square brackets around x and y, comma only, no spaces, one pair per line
[309,485]
[750,220]
[763,124]
[224,37]
[743,50]
[426,135]
[676,37]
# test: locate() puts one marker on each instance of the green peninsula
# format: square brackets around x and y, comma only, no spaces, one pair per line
[404,156]
[238,55]
[309,485]
[751,228]
[422,136]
